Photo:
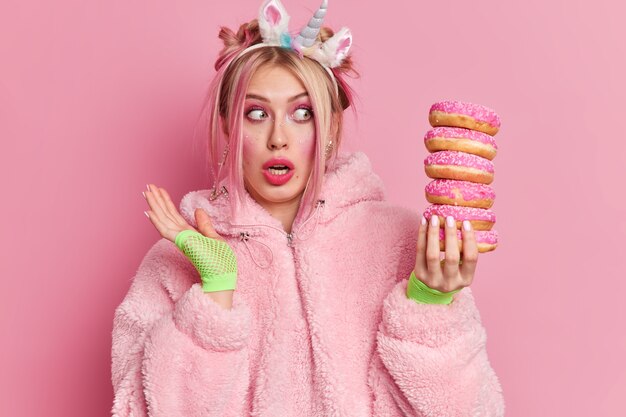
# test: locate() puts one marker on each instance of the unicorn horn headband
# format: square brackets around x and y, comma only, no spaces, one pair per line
[273,25]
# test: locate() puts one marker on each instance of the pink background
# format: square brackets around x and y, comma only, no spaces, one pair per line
[97,98]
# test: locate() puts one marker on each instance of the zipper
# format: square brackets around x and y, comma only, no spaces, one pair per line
[290,236]
[245,236]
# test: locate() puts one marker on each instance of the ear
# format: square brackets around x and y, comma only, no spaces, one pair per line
[273,21]
[334,50]
[272,13]
[345,42]
[339,45]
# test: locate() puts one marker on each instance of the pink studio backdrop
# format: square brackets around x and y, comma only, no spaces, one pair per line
[98,98]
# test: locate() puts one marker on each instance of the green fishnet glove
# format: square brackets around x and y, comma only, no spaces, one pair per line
[417,291]
[214,260]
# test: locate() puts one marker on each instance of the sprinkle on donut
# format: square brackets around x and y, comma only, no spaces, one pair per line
[481,219]
[460,133]
[462,140]
[461,193]
[460,212]
[487,240]
[465,115]
[460,159]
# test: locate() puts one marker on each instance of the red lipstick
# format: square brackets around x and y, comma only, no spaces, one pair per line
[278,171]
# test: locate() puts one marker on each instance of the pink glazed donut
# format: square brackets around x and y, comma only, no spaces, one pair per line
[462,166]
[467,115]
[487,240]
[460,193]
[481,219]
[462,140]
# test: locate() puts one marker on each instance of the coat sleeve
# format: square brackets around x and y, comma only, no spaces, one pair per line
[432,360]
[174,350]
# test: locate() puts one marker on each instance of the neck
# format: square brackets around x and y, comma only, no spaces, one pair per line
[285,212]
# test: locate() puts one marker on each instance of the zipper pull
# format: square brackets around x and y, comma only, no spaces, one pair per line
[289,239]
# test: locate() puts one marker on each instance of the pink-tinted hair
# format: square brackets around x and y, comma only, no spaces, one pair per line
[224,111]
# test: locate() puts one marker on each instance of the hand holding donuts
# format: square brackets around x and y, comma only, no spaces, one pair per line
[461,148]
[457,270]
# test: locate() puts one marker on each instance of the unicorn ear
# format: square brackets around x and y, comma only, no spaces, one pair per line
[273,21]
[334,50]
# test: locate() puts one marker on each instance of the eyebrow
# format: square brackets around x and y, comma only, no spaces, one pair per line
[261,98]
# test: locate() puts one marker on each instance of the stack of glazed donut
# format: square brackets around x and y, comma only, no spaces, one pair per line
[461,147]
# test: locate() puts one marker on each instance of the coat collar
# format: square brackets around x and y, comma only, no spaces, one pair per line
[348,181]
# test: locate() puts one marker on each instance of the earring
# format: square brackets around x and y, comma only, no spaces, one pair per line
[224,156]
[222,191]
[328,149]
[214,193]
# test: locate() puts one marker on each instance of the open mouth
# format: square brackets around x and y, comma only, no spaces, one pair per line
[278,174]
[278,169]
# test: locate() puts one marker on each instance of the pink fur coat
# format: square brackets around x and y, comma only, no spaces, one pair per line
[320,324]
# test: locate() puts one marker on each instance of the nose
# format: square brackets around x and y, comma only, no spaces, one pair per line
[278,136]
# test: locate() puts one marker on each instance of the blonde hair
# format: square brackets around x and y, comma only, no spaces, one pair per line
[224,107]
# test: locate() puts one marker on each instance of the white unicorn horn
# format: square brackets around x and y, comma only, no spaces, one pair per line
[307,35]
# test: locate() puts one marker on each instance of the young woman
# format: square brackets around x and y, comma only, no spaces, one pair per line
[293,287]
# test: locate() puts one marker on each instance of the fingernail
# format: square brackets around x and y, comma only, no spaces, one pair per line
[148,187]
[423,220]
[467,225]
[450,221]
[146,213]
[434,220]
[144,194]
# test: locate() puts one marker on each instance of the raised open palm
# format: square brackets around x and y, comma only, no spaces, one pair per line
[168,221]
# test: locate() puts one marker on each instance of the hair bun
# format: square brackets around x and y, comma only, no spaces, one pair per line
[248,34]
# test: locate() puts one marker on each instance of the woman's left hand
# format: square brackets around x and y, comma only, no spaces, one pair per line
[453,272]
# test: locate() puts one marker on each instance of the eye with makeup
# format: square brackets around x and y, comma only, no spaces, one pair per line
[302,114]
[256,114]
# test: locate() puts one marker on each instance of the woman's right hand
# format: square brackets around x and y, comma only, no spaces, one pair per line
[216,262]
[168,221]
